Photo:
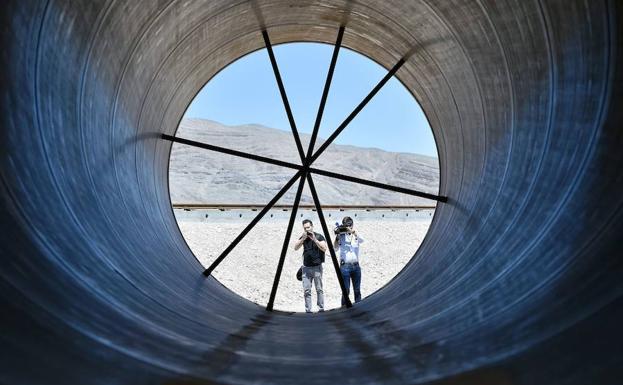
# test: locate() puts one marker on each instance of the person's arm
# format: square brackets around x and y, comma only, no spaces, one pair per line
[357,236]
[322,245]
[336,243]
[299,242]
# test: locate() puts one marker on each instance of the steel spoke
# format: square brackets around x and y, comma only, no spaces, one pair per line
[327,236]
[379,185]
[325,92]
[231,152]
[358,109]
[284,248]
[284,97]
[250,226]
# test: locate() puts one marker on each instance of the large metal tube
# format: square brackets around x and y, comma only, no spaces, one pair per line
[518,281]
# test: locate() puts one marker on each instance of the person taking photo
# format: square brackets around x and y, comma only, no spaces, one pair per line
[347,242]
[314,247]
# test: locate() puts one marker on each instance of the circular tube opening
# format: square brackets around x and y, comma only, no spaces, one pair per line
[217,193]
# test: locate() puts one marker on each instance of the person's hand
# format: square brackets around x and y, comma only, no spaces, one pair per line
[312,236]
[353,232]
[303,236]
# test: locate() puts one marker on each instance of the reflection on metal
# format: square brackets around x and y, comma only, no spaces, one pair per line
[517,282]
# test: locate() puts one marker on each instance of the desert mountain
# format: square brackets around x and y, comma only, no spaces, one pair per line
[202,176]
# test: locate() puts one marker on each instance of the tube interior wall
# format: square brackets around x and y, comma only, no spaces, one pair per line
[517,282]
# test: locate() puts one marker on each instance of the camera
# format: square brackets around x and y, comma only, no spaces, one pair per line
[341,229]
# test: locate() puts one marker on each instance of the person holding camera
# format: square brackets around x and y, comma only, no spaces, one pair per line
[347,243]
[314,247]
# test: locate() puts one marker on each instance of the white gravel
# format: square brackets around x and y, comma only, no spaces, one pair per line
[250,268]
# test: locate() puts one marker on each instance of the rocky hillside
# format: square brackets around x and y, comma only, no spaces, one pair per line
[202,176]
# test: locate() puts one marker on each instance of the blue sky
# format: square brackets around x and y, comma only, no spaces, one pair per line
[246,92]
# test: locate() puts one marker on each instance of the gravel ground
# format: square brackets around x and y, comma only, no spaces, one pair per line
[250,268]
